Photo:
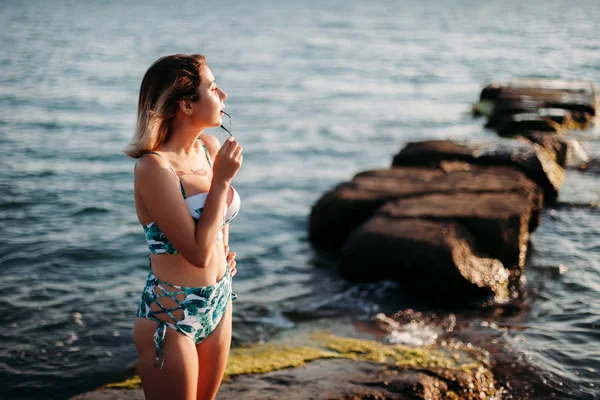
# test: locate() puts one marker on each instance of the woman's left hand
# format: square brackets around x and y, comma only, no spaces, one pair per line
[231,263]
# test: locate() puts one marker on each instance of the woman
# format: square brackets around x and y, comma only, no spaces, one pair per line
[184,200]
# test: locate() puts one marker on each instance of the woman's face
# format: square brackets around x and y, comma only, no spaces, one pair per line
[207,111]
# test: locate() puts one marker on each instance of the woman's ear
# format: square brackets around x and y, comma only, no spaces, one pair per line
[185,106]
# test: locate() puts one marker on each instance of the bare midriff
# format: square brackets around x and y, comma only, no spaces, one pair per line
[176,270]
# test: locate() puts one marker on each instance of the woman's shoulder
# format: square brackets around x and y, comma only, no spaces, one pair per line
[150,164]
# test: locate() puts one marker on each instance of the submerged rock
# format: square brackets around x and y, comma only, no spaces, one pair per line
[532,159]
[592,165]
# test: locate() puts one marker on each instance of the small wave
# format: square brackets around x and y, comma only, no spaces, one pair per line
[15,205]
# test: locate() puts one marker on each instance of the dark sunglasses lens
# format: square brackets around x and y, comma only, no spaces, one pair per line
[224,128]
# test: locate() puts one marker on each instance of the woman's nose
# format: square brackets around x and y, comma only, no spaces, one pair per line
[223,94]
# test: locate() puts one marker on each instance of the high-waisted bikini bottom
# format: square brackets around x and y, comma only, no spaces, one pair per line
[201,309]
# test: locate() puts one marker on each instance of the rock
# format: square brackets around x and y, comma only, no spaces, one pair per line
[538,104]
[350,368]
[438,259]
[592,165]
[499,222]
[557,146]
[532,159]
[343,209]
[551,120]
[111,394]
[351,379]
[325,366]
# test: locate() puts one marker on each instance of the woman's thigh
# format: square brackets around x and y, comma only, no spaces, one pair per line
[212,357]
[179,376]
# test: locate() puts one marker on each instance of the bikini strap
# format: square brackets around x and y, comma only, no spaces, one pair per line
[206,152]
[171,168]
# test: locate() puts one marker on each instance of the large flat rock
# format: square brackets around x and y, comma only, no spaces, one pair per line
[344,208]
[531,158]
[325,366]
[498,222]
[348,379]
[439,260]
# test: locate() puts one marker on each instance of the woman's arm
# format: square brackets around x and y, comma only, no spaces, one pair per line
[212,145]
[226,235]
[159,190]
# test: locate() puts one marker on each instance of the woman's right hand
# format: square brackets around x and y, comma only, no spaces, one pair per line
[228,161]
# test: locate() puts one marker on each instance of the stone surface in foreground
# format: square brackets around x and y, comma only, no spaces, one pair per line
[352,379]
[325,366]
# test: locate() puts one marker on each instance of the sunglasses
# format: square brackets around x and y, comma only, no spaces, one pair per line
[225,129]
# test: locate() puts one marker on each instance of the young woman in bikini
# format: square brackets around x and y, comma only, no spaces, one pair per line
[184,201]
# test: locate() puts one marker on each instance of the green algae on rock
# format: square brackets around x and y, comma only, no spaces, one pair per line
[442,361]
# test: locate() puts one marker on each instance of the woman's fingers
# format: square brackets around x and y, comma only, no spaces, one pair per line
[232,268]
[230,256]
[233,145]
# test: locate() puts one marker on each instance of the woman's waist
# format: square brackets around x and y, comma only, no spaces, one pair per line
[176,270]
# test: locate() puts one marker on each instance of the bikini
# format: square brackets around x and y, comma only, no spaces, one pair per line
[202,307]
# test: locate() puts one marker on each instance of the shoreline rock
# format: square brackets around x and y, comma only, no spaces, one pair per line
[333,367]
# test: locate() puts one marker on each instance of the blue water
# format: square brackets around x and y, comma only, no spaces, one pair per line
[318,91]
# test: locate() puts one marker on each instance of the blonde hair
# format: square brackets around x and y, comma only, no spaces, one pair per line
[168,80]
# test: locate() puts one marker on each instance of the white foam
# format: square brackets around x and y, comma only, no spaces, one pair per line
[413,335]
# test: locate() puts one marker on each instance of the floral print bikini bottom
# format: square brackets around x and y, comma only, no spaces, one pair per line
[195,311]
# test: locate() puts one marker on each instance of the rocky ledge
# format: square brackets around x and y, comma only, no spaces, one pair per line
[325,366]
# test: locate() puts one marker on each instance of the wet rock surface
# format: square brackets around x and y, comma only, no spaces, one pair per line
[326,366]
[354,379]
[535,161]
[499,222]
[350,204]
[556,145]
[591,166]
[447,218]
[438,260]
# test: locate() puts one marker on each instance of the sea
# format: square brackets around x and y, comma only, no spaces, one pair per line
[318,91]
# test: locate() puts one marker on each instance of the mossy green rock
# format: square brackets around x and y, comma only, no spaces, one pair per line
[292,365]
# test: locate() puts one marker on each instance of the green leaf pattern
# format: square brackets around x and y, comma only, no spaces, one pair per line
[203,307]
[158,242]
